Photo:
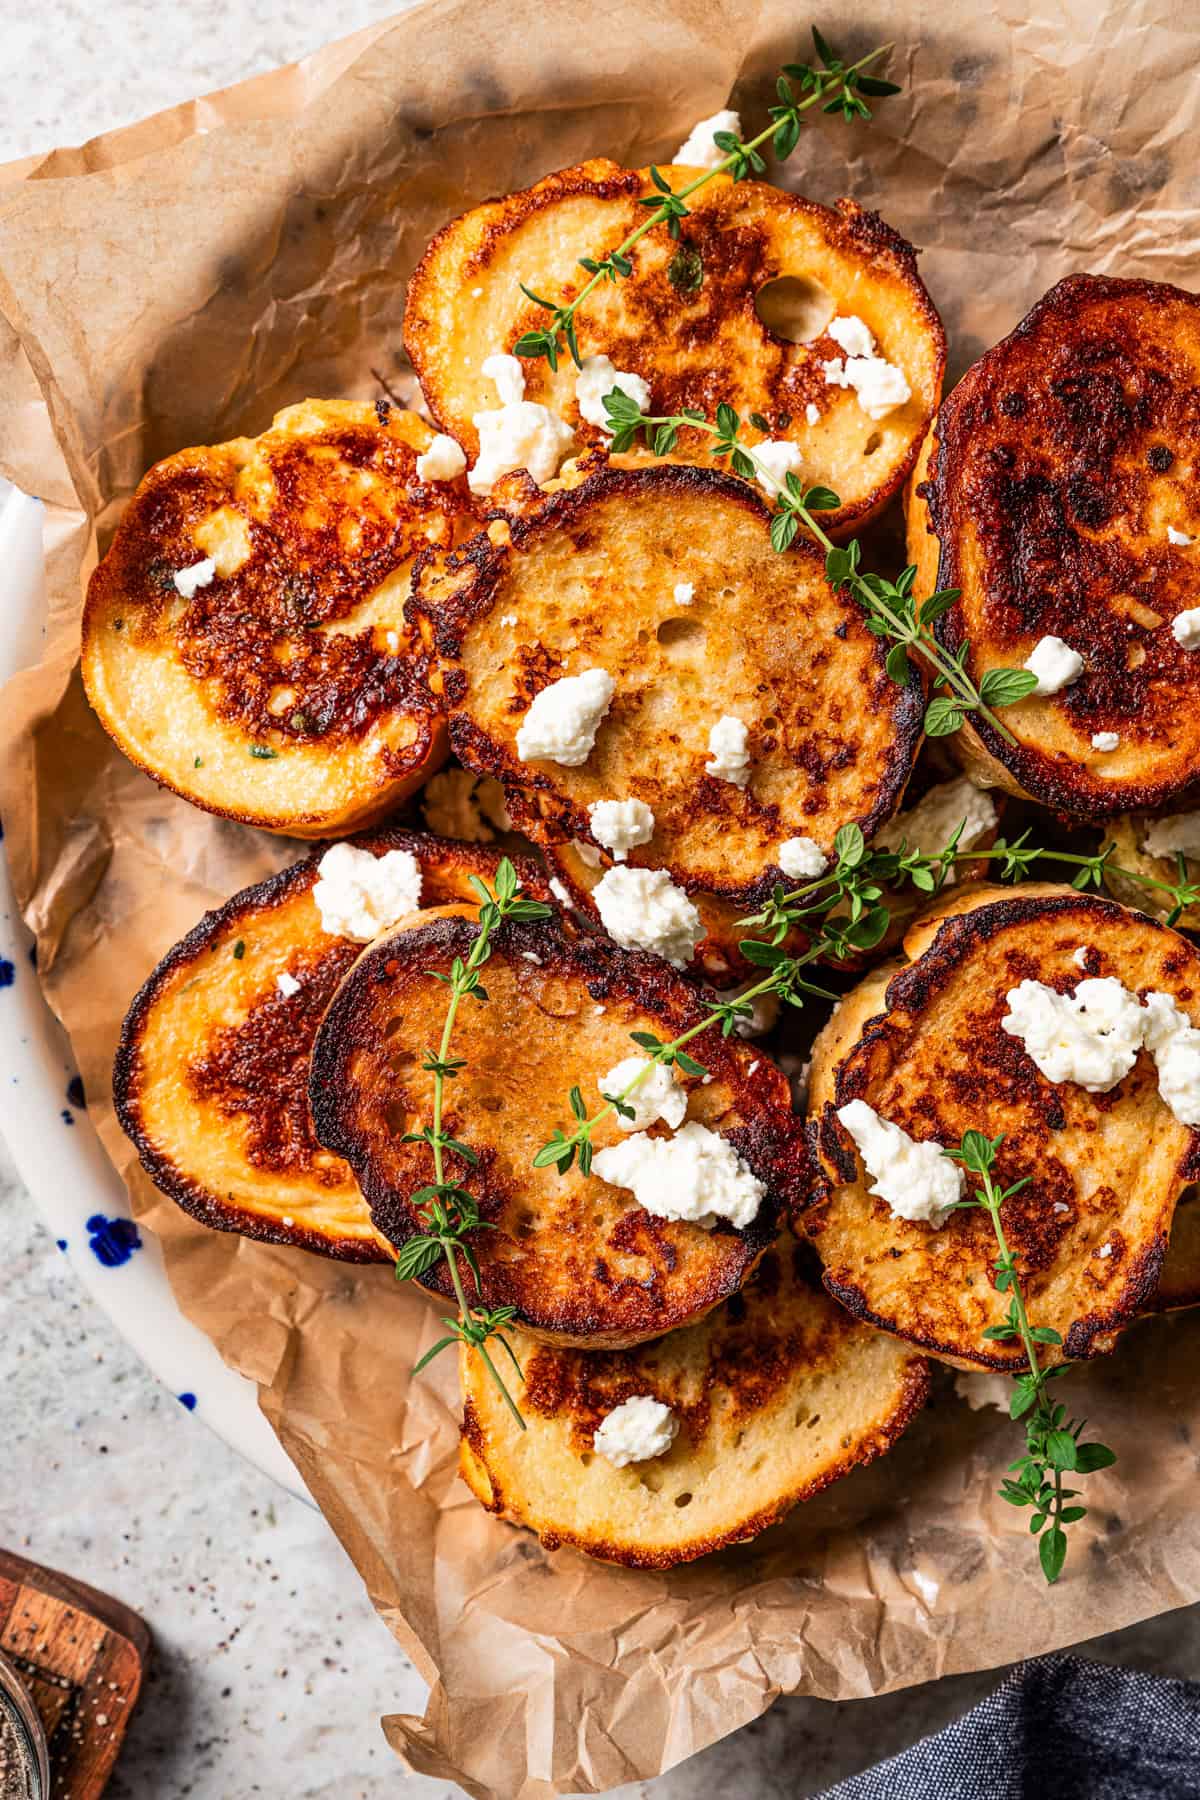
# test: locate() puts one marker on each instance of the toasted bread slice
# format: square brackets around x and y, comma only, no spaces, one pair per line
[575,1256]
[1062,462]
[1179,1282]
[921,1043]
[285,692]
[776,1394]
[686,319]
[211,1075]
[1129,833]
[588,582]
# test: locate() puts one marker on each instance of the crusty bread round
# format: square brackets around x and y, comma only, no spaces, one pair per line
[777,1393]
[286,692]
[211,1075]
[578,1258]
[1056,468]
[587,582]
[921,1042]
[1128,833]
[694,345]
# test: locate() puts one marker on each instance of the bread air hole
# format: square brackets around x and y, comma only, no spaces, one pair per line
[683,1499]
[795,307]
[680,631]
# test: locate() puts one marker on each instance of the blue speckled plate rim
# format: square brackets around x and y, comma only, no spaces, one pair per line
[57,1153]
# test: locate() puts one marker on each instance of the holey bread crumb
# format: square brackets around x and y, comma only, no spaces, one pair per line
[921,1042]
[585,587]
[244,638]
[211,1075]
[737,309]
[1060,490]
[775,1395]
[578,1258]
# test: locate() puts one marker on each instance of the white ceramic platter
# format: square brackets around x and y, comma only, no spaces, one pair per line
[58,1155]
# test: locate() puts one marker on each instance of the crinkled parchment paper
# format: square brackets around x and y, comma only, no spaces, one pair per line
[176,283]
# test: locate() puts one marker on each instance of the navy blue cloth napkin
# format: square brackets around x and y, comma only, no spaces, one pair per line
[1057,1728]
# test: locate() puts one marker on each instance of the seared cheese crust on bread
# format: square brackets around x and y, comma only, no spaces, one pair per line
[588,583]
[244,638]
[922,1044]
[1062,490]
[775,1395]
[579,1259]
[211,1075]
[685,321]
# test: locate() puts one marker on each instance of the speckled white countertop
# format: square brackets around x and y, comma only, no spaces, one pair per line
[271,1670]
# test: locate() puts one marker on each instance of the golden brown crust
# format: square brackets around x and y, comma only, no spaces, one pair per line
[587,581]
[210,1080]
[696,347]
[579,1259]
[777,1394]
[922,1044]
[1062,458]
[285,693]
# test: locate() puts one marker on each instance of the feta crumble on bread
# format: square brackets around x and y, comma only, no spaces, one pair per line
[1055,664]
[621,825]
[562,722]
[519,434]
[1166,837]
[642,909]
[359,895]
[695,1175]
[729,760]
[641,1427]
[287,984]
[1185,628]
[598,377]
[812,413]
[916,1180]
[779,459]
[851,335]
[801,858]
[1092,1037]
[931,823]
[1178,538]
[657,1096]
[683,593]
[1105,740]
[881,387]
[196,575]
[699,150]
[442,461]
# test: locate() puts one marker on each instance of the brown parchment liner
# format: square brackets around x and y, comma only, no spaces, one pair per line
[176,283]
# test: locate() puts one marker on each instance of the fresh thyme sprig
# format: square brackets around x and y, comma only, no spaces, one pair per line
[449,1211]
[1052,1446]
[890,608]
[840,86]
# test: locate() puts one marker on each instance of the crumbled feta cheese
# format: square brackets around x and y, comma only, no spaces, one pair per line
[695,1175]
[392,641]
[1080,957]
[442,461]
[699,149]
[1185,627]
[519,434]
[916,1180]
[812,413]
[642,909]
[598,377]
[657,1096]
[801,858]
[727,749]
[531,956]
[1055,664]
[1091,1037]
[508,618]
[621,825]
[196,575]
[638,1429]
[1166,837]
[559,892]
[359,895]
[683,593]
[881,387]
[779,459]
[1177,537]
[931,823]
[754,1065]
[587,853]
[562,723]
[1060,1206]
[457,804]
[1105,740]
[851,335]
[1104,1250]
[287,985]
